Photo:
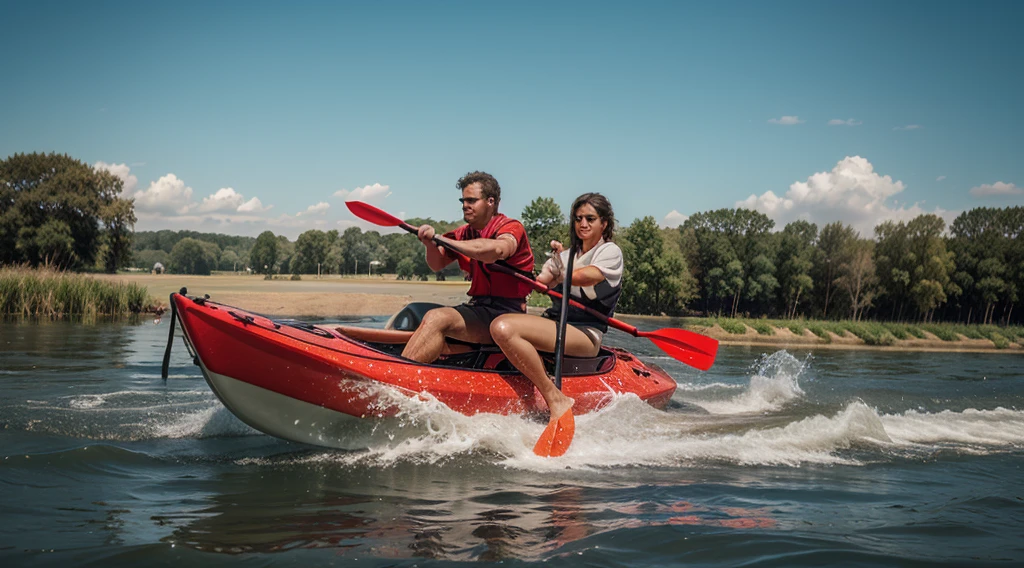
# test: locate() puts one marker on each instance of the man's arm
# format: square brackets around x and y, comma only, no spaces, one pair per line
[437,259]
[486,250]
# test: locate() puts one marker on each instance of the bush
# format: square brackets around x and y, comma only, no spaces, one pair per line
[762,327]
[820,331]
[999,340]
[732,326]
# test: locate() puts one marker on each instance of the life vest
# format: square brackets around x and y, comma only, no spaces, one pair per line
[490,283]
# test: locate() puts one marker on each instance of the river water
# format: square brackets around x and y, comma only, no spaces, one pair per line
[786,458]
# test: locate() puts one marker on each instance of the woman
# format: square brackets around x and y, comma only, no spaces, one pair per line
[596,283]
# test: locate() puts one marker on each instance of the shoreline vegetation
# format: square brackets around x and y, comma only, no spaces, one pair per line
[887,336]
[48,293]
[54,294]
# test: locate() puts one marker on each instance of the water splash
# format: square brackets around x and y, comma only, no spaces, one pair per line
[774,383]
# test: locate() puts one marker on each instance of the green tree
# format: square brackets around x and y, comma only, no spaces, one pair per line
[190,256]
[263,255]
[406,269]
[311,250]
[833,240]
[656,279]
[46,197]
[544,222]
[856,275]
[118,218]
[796,261]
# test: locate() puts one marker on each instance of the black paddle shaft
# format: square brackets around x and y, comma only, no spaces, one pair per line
[562,317]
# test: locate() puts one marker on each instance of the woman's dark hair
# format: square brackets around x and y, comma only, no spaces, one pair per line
[488,185]
[603,207]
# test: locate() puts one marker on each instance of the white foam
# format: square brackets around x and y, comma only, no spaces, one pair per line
[628,432]
[774,384]
[211,422]
[997,427]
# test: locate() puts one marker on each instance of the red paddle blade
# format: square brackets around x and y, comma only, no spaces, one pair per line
[368,212]
[555,439]
[694,349]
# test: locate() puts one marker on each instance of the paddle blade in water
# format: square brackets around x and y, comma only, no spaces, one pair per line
[555,439]
[691,348]
[368,212]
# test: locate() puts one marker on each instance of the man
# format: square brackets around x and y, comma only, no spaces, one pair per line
[487,236]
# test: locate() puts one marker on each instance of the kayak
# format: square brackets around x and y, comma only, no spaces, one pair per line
[310,383]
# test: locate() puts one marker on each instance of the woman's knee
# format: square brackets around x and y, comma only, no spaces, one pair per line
[502,330]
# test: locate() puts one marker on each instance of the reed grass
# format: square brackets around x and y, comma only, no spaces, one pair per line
[49,293]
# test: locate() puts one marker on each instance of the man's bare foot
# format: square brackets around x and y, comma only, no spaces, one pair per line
[559,406]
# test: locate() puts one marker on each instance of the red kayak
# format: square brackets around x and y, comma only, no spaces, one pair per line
[308,383]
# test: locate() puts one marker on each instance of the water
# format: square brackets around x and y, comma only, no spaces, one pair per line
[778,459]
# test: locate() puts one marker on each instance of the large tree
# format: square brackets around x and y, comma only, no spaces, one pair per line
[544,222]
[263,255]
[833,240]
[656,279]
[57,210]
[191,256]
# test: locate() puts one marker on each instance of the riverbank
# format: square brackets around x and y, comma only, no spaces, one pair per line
[334,296]
[783,338]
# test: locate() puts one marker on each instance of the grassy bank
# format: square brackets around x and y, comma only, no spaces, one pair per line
[872,333]
[49,293]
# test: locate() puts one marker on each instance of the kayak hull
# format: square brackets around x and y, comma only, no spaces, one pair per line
[315,385]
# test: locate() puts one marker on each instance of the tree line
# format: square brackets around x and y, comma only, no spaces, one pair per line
[58,211]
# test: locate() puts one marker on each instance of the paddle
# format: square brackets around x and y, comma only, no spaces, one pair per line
[685,346]
[557,436]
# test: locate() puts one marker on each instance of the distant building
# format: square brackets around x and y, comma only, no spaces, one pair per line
[158,268]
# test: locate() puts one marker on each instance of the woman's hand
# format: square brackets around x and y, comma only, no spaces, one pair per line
[556,259]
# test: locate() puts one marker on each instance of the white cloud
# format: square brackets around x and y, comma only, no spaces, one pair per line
[254,205]
[908,127]
[226,199]
[365,193]
[996,189]
[674,219]
[940,178]
[852,193]
[847,122]
[786,120]
[165,195]
[122,171]
[317,209]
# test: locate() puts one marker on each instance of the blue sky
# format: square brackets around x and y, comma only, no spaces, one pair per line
[239,117]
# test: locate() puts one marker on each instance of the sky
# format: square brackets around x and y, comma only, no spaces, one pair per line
[239,117]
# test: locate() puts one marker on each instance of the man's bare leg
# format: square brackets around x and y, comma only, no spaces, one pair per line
[428,342]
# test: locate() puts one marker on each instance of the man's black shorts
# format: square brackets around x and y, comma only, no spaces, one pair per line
[482,310]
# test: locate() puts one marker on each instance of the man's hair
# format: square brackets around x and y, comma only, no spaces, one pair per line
[603,207]
[488,185]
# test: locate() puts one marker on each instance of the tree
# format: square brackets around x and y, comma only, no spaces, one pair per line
[833,240]
[189,256]
[118,218]
[405,269]
[727,235]
[311,250]
[263,255]
[67,197]
[795,261]
[656,280]
[544,222]
[856,275]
